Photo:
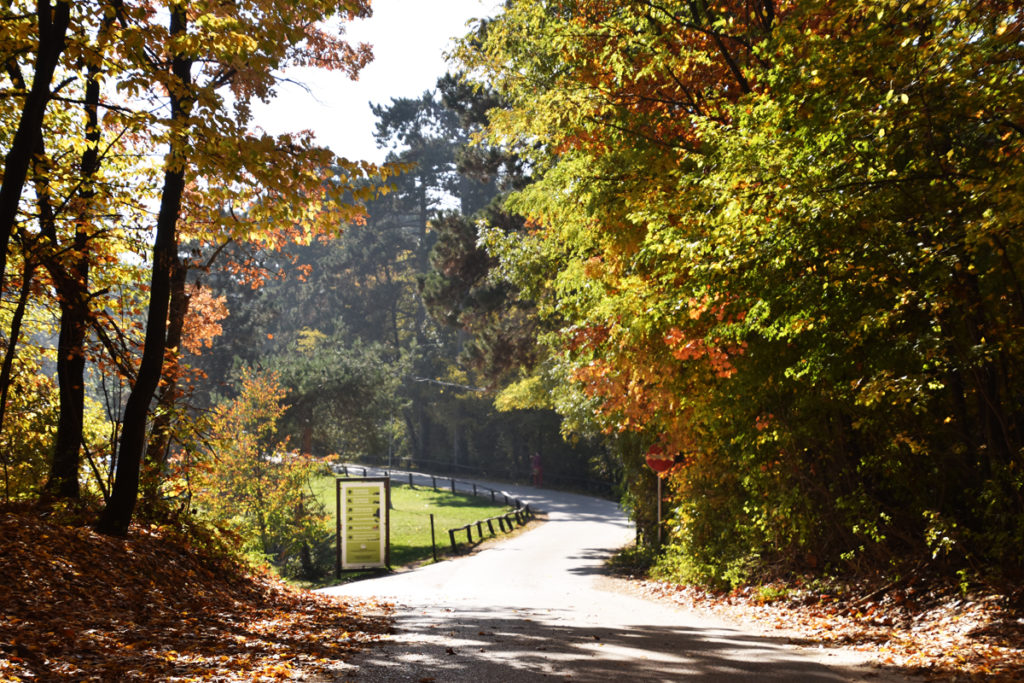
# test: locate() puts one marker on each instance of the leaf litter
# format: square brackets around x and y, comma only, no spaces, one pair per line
[922,627]
[77,605]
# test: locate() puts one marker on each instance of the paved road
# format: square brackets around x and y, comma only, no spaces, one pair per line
[537,608]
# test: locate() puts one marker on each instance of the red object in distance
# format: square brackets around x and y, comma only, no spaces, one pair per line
[657,461]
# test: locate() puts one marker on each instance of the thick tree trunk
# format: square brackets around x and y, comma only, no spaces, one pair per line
[169,394]
[53,25]
[160,435]
[72,279]
[63,479]
[117,515]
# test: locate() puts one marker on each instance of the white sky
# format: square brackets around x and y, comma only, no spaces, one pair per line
[409,39]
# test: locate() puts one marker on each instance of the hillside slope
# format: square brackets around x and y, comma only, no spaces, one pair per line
[78,605]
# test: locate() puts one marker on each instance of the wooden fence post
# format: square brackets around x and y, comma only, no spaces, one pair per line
[433,543]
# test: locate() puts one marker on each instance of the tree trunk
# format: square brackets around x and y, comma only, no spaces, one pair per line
[160,435]
[72,280]
[117,515]
[53,26]
[63,479]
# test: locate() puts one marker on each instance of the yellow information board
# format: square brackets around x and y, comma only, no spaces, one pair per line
[363,522]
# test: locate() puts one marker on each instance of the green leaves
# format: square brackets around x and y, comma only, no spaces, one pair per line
[810,218]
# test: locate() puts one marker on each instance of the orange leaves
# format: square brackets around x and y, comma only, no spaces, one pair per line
[594,267]
[718,358]
[154,607]
[326,51]
[588,337]
[202,322]
[683,349]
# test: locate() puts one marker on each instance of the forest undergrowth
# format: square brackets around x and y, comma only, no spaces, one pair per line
[159,605]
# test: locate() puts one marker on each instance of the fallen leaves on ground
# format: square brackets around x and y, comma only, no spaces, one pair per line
[76,605]
[923,627]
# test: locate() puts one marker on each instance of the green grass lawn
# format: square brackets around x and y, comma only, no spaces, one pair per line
[410,519]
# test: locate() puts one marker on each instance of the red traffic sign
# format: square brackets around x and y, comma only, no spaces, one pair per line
[657,460]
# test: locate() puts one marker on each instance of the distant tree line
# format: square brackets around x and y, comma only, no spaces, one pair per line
[389,339]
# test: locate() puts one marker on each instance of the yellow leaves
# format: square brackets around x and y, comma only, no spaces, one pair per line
[309,340]
[903,97]
[276,671]
[526,394]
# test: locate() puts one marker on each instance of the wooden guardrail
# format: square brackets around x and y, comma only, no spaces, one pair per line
[521,515]
[466,486]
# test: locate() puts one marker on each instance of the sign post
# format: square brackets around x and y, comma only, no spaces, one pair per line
[660,465]
[363,523]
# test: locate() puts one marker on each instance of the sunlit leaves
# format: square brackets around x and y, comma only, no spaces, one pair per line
[143,91]
[779,235]
[247,480]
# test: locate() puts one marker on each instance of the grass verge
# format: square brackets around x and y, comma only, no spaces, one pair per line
[410,521]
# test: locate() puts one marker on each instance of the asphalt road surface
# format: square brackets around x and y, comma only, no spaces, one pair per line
[537,607]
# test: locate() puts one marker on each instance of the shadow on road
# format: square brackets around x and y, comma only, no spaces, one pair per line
[482,645]
[530,609]
[591,562]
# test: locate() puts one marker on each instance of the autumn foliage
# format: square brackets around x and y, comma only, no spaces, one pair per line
[159,605]
[131,160]
[781,242]
[923,626]
[247,481]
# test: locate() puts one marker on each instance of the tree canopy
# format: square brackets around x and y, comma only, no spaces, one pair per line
[127,132]
[779,243]
[389,338]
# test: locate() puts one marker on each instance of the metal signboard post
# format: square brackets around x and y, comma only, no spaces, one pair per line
[363,523]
